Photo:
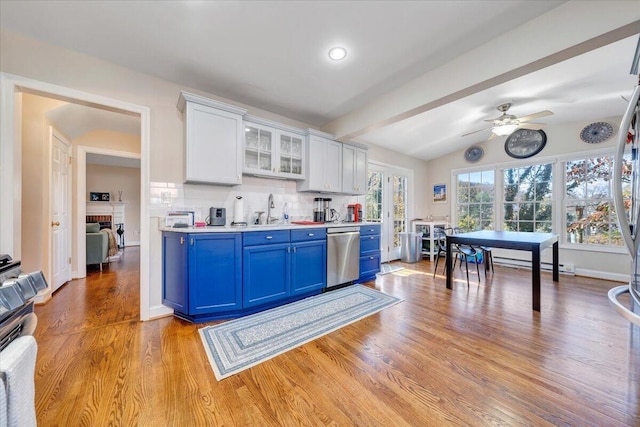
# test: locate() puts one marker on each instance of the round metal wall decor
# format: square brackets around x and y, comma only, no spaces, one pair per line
[473,154]
[596,132]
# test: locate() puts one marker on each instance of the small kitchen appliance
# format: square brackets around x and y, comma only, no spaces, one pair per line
[318,209]
[354,213]
[326,207]
[217,217]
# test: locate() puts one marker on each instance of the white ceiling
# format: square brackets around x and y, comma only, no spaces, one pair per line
[273,55]
[75,120]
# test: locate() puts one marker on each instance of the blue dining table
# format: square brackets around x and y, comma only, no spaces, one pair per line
[522,241]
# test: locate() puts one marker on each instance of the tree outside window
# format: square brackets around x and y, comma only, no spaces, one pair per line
[528,198]
[590,216]
[475,200]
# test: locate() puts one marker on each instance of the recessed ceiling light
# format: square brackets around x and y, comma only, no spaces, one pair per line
[337,53]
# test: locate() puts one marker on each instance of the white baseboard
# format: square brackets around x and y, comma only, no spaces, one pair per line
[615,277]
[160,310]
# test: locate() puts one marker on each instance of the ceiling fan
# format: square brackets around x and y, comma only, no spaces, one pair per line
[508,123]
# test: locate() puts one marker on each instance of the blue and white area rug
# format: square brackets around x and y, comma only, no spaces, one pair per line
[245,342]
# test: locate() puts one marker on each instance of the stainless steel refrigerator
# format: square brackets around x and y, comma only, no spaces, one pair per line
[626,191]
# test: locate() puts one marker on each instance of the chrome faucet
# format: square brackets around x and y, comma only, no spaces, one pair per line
[270,205]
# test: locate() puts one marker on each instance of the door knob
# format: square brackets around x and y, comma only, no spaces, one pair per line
[55,223]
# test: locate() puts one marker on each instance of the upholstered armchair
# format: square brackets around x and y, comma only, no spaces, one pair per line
[97,245]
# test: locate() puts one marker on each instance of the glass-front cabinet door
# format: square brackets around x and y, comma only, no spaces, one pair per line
[258,149]
[290,154]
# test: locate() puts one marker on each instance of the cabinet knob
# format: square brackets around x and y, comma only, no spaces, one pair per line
[269,237]
[371,238]
[370,257]
[310,234]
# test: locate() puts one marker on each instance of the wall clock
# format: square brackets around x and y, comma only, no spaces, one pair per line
[596,132]
[473,154]
[525,143]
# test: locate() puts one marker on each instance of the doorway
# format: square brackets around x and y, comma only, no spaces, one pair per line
[389,202]
[11,218]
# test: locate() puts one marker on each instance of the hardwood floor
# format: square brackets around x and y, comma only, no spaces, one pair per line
[474,356]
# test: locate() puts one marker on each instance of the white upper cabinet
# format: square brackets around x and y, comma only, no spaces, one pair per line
[272,149]
[323,164]
[354,170]
[214,134]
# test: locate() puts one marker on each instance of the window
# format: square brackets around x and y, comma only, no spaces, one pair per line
[475,200]
[590,217]
[373,200]
[528,198]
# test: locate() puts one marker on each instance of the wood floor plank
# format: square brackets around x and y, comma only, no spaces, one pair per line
[470,356]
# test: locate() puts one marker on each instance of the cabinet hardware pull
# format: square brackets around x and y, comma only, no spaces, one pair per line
[294,249]
[310,234]
[182,240]
[55,223]
[192,241]
[370,257]
[269,237]
[289,249]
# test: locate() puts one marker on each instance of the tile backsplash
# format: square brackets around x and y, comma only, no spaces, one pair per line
[255,192]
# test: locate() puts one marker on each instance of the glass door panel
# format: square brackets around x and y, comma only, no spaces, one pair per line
[387,202]
[290,154]
[258,148]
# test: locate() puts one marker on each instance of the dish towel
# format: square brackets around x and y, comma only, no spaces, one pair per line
[17,372]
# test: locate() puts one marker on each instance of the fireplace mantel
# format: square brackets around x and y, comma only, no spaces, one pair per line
[114,209]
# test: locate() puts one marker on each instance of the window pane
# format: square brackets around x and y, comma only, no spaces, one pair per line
[528,193]
[373,203]
[589,212]
[475,200]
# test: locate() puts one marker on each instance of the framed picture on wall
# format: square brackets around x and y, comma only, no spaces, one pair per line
[440,193]
[98,197]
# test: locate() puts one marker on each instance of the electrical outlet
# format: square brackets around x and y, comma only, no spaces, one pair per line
[165,197]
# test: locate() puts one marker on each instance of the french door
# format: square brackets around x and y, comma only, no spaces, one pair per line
[387,202]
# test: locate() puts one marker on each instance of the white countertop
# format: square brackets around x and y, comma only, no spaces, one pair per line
[249,228]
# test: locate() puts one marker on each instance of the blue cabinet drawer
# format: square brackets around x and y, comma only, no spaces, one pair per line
[308,234]
[254,238]
[369,244]
[367,230]
[369,266]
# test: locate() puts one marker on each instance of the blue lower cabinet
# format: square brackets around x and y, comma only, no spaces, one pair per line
[175,271]
[208,276]
[202,273]
[369,252]
[265,274]
[308,266]
[215,275]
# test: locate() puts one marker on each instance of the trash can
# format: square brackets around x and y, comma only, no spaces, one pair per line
[410,247]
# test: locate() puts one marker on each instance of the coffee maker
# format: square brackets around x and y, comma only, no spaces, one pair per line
[321,209]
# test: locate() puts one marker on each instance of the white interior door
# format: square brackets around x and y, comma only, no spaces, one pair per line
[388,202]
[60,212]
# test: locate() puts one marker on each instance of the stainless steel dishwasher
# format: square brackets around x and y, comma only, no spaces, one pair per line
[343,255]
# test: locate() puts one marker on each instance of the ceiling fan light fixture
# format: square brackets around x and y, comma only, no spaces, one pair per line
[504,130]
[337,53]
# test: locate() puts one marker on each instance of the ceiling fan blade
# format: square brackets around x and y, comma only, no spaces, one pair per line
[534,126]
[535,115]
[475,131]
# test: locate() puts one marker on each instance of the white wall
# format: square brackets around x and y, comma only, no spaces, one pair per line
[562,141]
